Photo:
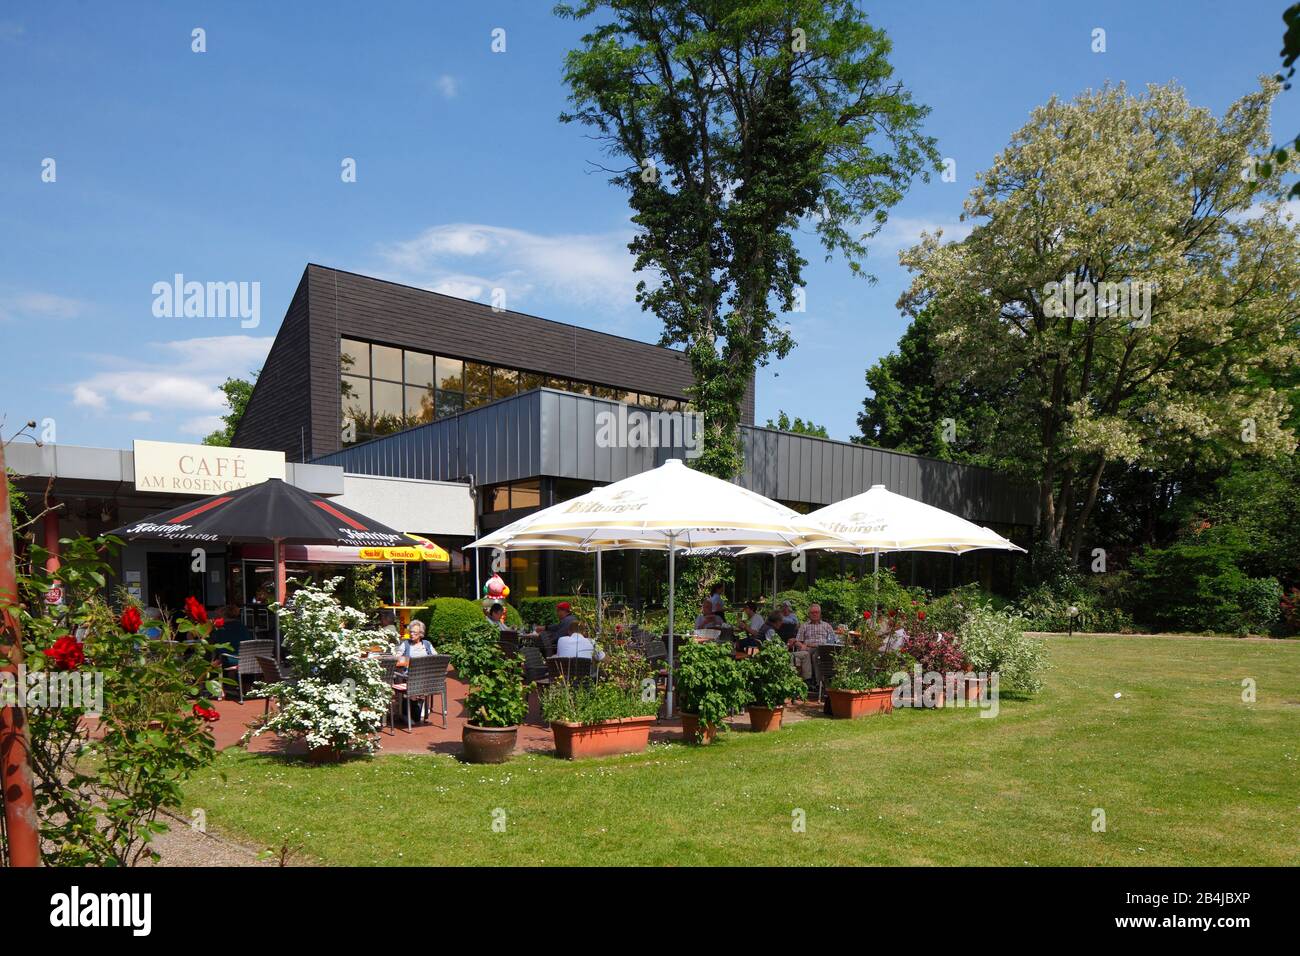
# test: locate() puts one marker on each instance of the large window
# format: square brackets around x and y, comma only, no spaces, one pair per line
[384,389]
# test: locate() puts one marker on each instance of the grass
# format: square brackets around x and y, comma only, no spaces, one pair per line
[1186,772]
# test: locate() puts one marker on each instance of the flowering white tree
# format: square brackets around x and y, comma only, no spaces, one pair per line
[337,700]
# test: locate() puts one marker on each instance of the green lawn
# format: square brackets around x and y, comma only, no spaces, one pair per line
[1185,771]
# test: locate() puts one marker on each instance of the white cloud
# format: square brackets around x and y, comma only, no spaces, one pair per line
[903,232]
[579,268]
[202,426]
[447,85]
[169,377]
[39,305]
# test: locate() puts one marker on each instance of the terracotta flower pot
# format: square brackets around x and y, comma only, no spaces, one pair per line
[971,688]
[860,703]
[765,719]
[691,728]
[625,735]
[324,755]
[488,744]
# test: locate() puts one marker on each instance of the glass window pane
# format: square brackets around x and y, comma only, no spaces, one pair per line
[580,388]
[530,380]
[355,393]
[526,494]
[386,362]
[478,384]
[354,357]
[631,398]
[559,384]
[450,374]
[419,404]
[419,369]
[606,391]
[649,401]
[449,403]
[505,381]
[387,400]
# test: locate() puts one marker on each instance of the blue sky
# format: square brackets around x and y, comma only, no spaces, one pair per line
[225,166]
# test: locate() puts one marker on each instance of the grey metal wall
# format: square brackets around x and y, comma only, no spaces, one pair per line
[549,433]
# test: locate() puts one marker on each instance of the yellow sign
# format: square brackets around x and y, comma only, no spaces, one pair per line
[180,469]
[422,550]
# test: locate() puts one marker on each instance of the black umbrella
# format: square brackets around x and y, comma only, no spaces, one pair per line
[271,511]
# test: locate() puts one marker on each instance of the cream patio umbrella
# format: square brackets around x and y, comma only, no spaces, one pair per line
[879,520]
[670,508]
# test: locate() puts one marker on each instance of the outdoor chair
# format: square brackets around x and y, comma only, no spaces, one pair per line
[535,669]
[509,646]
[549,643]
[571,669]
[824,667]
[247,664]
[425,678]
[389,663]
[656,650]
[274,673]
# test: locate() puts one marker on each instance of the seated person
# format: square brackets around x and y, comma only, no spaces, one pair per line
[388,624]
[415,645]
[748,644]
[573,643]
[772,627]
[497,615]
[754,623]
[233,631]
[788,615]
[809,637]
[563,618]
[708,617]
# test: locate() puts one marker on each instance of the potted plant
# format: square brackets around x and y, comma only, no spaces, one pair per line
[496,704]
[610,716]
[863,681]
[772,680]
[935,653]
[710,686]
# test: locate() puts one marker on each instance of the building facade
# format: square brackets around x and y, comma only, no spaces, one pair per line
[387,380]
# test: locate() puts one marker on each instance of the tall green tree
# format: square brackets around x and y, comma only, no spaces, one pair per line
[1139,292]
[237,391]
[735,123]
[912,409]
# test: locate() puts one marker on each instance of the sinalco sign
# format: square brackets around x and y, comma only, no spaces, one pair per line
[202,469]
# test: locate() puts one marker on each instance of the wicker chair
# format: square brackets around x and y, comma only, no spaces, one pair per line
[248,666]
[274,673]
[535,669]
[549,643]
[824,667]
[656,650]
[571,669]
[425,678]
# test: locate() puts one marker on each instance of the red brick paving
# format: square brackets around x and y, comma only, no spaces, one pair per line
[431,736]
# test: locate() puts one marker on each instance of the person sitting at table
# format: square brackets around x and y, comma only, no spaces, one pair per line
[809,637]
[497,615]
[754,622]
[748,644]
[563,618]
[415,645]
[388,625]
[573,643]
[708,617]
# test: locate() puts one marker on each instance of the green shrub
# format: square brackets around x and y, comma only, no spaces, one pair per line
[710,683]
[771,677]
[476,650]
[590,703]
[538,612]
[1197,584]
[1045,610]
[995,640]
[842,600]
[497,696]
[446,618]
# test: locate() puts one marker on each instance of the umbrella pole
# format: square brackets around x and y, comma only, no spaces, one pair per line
[478,593]
[875,577]
[672,589]
[775,558]
[278,548]
[600,600]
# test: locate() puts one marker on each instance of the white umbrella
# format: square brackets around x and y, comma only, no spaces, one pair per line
[671,508]
[879,520]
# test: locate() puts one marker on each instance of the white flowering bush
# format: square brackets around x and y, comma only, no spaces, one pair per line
[338,699]
[995,640]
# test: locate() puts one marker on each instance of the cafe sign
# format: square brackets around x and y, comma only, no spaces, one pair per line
[202,469]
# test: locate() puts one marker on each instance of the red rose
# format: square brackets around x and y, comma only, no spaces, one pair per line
[920,615]
[130,620]
[218,622]
[197,612]
[207,714]
[866,615]
[65,653]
